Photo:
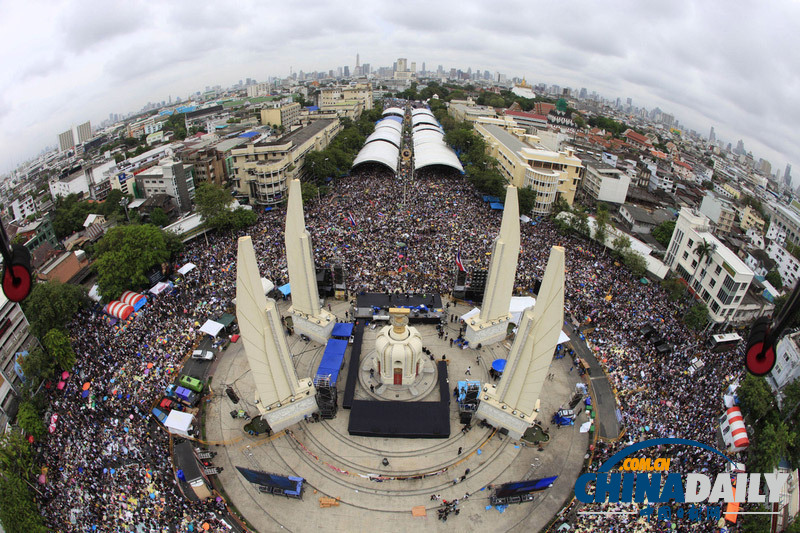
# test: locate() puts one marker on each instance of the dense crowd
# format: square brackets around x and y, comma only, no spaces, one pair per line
[108,462]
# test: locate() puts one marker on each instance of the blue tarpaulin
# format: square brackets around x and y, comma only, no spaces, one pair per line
[332,360]
[286,290]
[342,329]
[496,205]
[248,135]
[490,198]
[267,209]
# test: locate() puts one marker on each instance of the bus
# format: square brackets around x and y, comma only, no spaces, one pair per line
[724,342]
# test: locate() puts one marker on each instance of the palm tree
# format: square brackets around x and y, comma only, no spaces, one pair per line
[703,249]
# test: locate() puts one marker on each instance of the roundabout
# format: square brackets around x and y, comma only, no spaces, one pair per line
[376,481]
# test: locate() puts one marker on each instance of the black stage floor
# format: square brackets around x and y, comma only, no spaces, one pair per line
[408,420]
[352,369]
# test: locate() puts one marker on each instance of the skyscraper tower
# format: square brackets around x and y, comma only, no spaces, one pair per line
[787,175]
[358,64]
[712,136]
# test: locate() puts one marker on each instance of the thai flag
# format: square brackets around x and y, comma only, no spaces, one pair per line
[459,264]
[352,220]
[380,214]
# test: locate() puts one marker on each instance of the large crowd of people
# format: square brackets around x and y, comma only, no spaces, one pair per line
[108,463]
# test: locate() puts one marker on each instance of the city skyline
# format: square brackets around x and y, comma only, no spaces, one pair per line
[106,58]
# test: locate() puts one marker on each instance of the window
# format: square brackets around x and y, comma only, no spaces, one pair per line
[712,282]
[690,243]
[717,270]
[685,255]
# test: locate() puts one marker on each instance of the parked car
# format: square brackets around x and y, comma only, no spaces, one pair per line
[205,355]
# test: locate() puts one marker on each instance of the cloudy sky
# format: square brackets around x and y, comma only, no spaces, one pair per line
[732,64]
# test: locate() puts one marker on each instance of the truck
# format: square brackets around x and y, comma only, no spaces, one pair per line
[181,394]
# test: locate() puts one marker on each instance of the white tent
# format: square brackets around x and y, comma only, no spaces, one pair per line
[516,308]
[159,287]
[267,285]
[94,294]
[188,267]
[212,328]
[178,422]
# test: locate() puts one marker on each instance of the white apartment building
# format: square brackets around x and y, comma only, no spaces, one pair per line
[787,362]
[720,279]
[787,220]
[23,207]
[788,265]
[75,183]
[84,132]
[604,183]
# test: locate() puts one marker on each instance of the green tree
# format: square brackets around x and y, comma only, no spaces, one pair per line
[602,220]
[635,262]
[30,419]
[559,205]
[774,278]
[757,523]
[663,232]
[242,218]
[527,199]
[15,455]
[52,304]
[621,244]
[674,289]
[37,367]
[58,345]
[213,203]
[18,511]
[697,316]
[708,184]
[580,223]
[755,397]
[159,217]
[769,447]
[310,191]
[703,249]
[125,254]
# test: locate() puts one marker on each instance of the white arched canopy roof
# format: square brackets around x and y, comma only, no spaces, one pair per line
[430,149]
[379,151]
[392,124]
[421,120]
[394,111]
[384,134]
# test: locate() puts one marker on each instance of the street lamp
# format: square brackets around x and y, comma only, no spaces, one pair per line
[124,203]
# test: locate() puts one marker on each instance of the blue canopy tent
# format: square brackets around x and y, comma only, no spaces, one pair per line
[332,360]
[286,290]
[496,206]
[498,365]
[342,330]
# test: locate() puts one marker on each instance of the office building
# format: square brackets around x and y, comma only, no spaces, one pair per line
[66,140]
[84,132]
[15,342]
[721,212]
[286,115]
[263,169]
[524,162]
[170,177]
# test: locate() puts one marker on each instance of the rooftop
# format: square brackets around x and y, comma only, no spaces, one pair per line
[505,138]
[298,137]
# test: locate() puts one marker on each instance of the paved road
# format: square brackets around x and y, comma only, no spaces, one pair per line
[604,400]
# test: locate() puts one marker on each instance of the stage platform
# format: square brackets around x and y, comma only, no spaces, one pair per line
[425,308]
[406,420]
[352,369]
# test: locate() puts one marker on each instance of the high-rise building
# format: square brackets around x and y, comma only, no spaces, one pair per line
[787,175]
[739,147]
[711,135]
[66,141]
[84,132]
[16,341]
[346,71]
